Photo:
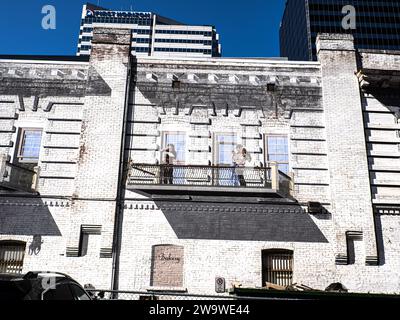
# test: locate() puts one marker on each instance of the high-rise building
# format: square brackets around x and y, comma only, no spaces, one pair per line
[152,34]
[377,25]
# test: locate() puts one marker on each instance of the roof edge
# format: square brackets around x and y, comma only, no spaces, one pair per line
[45,58]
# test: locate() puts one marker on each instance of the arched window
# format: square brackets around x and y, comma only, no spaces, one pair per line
[277,267]
[12,256]
[167,266]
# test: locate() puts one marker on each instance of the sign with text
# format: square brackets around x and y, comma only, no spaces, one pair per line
[167,266]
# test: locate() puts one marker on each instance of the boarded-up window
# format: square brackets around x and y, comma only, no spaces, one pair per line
[12,256]
[167,266]
[277,267]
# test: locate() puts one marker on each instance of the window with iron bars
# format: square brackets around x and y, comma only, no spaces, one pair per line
[12,256]
[277,267]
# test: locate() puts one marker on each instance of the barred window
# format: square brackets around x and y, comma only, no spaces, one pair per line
[277,267]
[12,256]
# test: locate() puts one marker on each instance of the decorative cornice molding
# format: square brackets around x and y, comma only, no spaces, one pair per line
[387,210]
[65,204]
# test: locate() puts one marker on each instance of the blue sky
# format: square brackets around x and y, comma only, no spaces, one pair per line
[247,28]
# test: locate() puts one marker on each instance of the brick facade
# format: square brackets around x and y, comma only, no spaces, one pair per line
[99,117]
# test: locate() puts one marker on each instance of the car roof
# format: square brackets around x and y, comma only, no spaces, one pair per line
[29,286]
[44,274]
[11,276]
[34,275]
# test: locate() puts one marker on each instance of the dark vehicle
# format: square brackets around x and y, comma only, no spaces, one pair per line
[41,285]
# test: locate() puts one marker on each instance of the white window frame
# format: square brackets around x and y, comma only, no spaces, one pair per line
[33,125]
[215,150]
[163,144]
[18,157]
[266,154]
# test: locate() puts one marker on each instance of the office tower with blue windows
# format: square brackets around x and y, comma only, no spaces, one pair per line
[152,35]
[377,25]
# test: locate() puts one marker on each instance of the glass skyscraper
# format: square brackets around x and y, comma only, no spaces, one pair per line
[377,25]
[152,34]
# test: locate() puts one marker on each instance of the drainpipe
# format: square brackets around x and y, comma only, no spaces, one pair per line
[119,208]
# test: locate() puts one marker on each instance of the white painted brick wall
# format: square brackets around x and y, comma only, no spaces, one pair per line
[96,171]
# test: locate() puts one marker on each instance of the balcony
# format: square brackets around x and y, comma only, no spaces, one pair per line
[17,178]
[264,180]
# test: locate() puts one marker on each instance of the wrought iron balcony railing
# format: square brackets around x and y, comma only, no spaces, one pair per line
[17,178]
[169,176]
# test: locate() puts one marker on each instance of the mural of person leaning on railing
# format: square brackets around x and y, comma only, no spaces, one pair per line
[168,155]
[241,173]
[240,158]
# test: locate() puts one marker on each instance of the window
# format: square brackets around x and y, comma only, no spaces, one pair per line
[183,50]
[277,267]
[87,39]
[176,84]
[78,293]
[277,150]
[141,40]
[178,140]
[271,87]
[29,145]
[12,256]
[176,143]
[61,292]
[225,145]
[141,49]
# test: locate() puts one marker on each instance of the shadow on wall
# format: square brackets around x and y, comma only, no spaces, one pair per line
[51,87]
[36,245]
[241,222]
[387,97]
[167,97]
[379,239]
[27,217]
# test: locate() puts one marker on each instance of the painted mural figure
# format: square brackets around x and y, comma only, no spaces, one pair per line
[240,158]
[235,159]
[167,170]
